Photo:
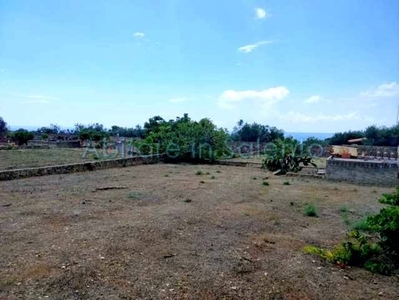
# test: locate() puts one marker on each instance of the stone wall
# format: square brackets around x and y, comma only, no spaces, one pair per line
[377,173]
[53,144]
[78,167]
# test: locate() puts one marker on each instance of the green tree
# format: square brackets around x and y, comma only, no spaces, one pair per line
[245,132]
[341,138]
[22,136]
[184,139]
[3,127]
[95,132]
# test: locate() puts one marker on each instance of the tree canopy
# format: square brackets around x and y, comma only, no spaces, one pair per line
[3,127]
[22,136]
[184,139]
[375,136]
[256,132]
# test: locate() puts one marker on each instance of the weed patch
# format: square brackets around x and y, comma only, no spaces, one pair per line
[310,210]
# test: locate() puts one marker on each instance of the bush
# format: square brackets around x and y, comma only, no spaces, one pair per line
[22,136]
[310,210]
[265,183]
[374,245]
[199,173]
[286,183]
[286,157]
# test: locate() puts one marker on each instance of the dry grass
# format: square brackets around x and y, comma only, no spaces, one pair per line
[233,239]
[14,159]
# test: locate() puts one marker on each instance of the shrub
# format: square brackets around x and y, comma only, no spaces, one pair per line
[391,199]
[213,177]
[254,178]
[199,173]
[202,182]
[218,171]
[265,183]
[286,183]
[374,245]
[310,210]
[286,157]
[361,225]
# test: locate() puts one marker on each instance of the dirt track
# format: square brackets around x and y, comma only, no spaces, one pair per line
[166,235]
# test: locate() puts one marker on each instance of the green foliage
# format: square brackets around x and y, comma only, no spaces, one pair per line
[375,136]
[22,136]
[184,140]
[213,177]
[376,248]
[361,225]
[137,132]
[265,183]
[310,210]
[199,173]
[3,127]
[286,157]
[286,183]
[382,136]
[53,129]
[255,132]
[341,138]
[202,182]
[391,199]
[218,171]
[95,132]
[314,146]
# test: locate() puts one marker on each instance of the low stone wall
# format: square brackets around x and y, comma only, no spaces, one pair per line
[53,144]
[377,173]
[78,167]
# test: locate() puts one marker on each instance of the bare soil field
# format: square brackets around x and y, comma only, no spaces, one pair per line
[164,232]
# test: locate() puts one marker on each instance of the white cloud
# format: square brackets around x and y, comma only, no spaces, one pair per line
[298,117]
[228,99]
[384,90]
[260,13]
[313,99]
[251,47]
[139,35]
[178,99]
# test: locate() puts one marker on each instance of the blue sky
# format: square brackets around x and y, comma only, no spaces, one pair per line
[307,66]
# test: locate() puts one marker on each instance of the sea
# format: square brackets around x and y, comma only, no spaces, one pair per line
[302,136]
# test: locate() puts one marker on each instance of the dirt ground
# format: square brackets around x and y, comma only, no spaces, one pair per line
[168,233]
